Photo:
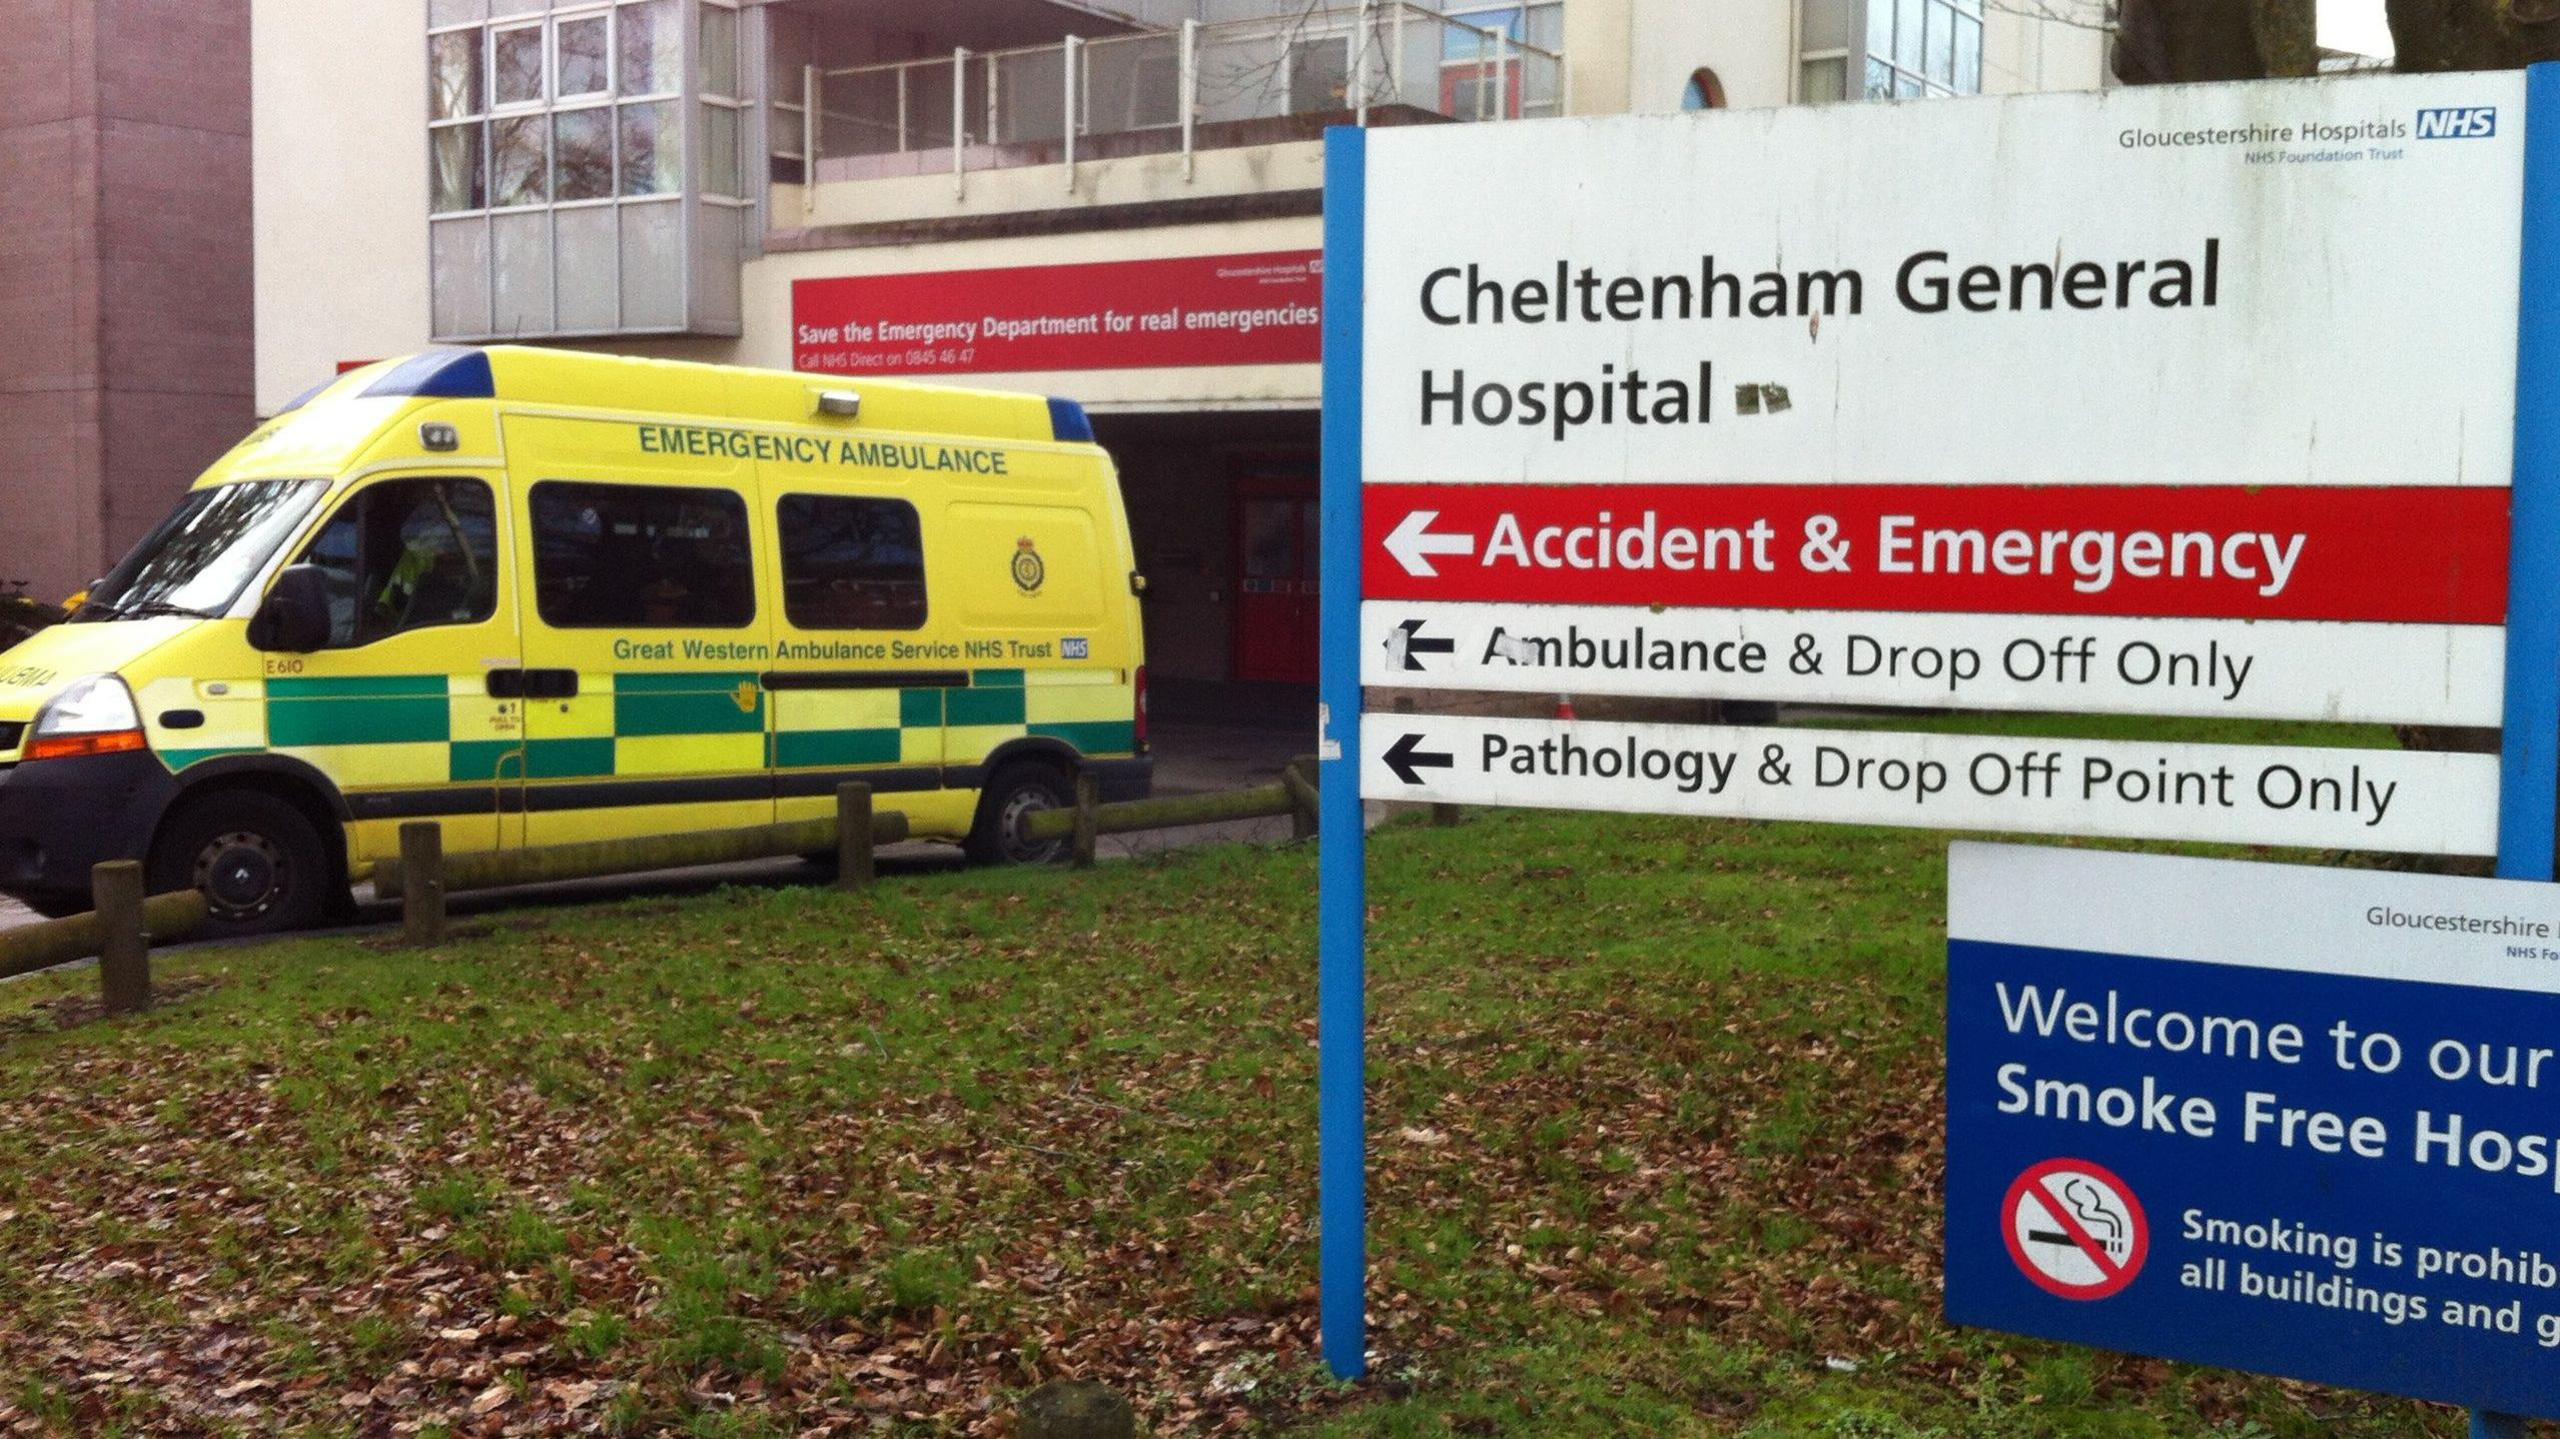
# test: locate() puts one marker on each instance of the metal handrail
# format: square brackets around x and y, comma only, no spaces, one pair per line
[1372,28]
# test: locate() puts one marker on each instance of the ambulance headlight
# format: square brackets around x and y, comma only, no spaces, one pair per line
[91,716]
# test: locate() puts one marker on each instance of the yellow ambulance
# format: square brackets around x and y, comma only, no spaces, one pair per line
[542,597]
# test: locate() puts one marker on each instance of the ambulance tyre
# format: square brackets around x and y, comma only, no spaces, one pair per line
[258,861]
[1017,791]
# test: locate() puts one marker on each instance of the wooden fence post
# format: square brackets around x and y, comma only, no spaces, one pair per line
[855,865]
[1088,823]
[124,949]
[1300,780]
[422,883]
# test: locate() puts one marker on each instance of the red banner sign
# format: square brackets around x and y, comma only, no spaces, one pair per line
[2431,554]
[1202,310]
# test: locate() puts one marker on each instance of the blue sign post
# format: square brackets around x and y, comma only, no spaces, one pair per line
[1342,839]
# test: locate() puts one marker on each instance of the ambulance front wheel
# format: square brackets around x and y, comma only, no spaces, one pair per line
[258,861]
[1015,793]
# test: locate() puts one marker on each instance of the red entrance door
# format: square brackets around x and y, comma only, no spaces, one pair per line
[1276,591]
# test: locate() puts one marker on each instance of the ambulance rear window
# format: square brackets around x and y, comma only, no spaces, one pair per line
[641,557]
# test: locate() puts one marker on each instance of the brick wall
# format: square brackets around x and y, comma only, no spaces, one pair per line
[124,270]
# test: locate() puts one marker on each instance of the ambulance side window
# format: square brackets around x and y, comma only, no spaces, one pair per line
[851,563]
[407,555]
[641,557]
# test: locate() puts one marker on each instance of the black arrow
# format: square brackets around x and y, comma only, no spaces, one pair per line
[1405,760]
[1415,644]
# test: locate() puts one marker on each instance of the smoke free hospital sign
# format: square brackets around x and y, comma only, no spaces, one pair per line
[2299,1121]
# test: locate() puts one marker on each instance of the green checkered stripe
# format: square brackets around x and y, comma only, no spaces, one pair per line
[995,706]
[690,721]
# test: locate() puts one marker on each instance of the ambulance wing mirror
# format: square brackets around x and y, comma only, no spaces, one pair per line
[294,617]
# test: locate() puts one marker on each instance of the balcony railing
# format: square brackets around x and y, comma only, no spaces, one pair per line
[1180,91]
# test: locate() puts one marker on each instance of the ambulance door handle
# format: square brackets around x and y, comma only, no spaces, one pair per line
[513,684]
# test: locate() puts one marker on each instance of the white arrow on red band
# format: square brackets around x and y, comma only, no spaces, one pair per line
[1413,544]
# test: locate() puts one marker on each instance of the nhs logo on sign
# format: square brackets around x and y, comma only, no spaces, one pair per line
[2462,122]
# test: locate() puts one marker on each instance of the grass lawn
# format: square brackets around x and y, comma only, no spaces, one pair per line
[1656,1123]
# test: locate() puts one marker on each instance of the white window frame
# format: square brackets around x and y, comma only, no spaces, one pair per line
[612,56]
[480,60]
[541,26]
[1859,57]
[697,144]
[684,103]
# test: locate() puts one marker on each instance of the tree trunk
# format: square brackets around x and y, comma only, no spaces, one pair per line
[2168,42]
[2435,35]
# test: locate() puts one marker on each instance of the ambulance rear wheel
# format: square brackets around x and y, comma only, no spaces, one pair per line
[258,862]
[1017,792]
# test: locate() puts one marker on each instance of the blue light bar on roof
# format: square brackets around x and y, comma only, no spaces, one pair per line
[439,375]
[307,396]
[1068,422]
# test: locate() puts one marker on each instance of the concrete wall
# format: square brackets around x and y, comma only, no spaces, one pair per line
[2025,54]
[340,158]
[124,270]
[342,181]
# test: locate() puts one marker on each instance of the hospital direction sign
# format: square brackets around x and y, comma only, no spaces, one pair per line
[1973,406]
[1978,293]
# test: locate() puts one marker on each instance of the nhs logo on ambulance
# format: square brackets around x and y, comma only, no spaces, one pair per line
[2458,122]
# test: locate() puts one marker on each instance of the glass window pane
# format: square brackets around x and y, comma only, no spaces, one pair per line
[1942,43]
[1880,28]
[1969,56]
[851,564]
[517,163]
[453,74]
[520,277]
[719,51]
[719,150]
[717,264]
[582,154]
[1826,80]
[455,12]
[652,151]
[1464,40]
[1879,78]
[582,56]
[1826,24]
[460,179]
[1907,30]
[1546,26]
[1906,86]
[653,295]
[1271,539]
[588,277]
[515,65]
[408,555]
[650,47]
[640,556]
[459,257]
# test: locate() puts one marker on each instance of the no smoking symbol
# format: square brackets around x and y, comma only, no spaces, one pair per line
[2075,1229]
